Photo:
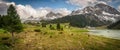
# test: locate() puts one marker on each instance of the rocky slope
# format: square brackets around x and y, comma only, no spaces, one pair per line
[98,15]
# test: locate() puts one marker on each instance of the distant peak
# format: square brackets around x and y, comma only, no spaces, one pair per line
[100,4]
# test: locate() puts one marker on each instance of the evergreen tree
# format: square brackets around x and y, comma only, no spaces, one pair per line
[0,21]
[12,22]
[58,26]
[50,26]
[43,24]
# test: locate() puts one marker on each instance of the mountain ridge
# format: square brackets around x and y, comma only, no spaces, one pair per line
[91,16]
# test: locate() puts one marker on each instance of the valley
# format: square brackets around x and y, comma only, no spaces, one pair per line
[70,38]
[59,25]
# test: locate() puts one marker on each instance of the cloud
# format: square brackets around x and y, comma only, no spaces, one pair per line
[63,11]
[107,1]
[119,8]
[1,1]
[84,3]
[43,11]
[26,11]
[81,3]
[4,6]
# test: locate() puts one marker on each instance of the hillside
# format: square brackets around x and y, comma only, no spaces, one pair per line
[46,39]
[93,16]
[80,20]
[115,25]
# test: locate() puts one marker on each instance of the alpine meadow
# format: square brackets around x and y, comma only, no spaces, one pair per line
[59,25]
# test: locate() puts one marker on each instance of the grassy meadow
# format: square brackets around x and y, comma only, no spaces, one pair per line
[36,37]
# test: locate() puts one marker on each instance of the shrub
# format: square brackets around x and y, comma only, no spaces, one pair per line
[51,27]
[61,28]
[50,36]
[43,24]
[37,30]
[60,32]
[58,26]
[5,38]
[3,31]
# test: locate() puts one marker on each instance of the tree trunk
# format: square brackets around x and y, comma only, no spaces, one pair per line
[12,37]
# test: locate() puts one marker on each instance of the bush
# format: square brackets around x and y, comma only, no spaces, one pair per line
[45,33]
[61,28]
[5,38]
[50,36]
[37,30]
[43,24]
[3,31]
[60,32]
[51,27]
[58,26]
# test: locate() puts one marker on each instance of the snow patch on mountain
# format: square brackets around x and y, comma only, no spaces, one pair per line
[101,11]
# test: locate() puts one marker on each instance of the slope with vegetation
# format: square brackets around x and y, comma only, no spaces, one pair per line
[115,25]
[70,38]
[36,37]
[45,36]
[80,20]
[9,24]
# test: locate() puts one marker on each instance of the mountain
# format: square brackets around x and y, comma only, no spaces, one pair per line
[31,19]
[94,16]
[107,8]
[81,20]
[102,11]
[115,25]
[52,15]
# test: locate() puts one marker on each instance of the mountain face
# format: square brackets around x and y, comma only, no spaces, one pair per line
[81,20]
[115,25]
[52,15]
[94,16]
[107,8]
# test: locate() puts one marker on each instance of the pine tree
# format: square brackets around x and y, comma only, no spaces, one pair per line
[50,26]
[58,26]
[0,21]
[12,22]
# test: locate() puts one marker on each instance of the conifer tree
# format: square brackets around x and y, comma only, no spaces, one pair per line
[58,26]
[12,22]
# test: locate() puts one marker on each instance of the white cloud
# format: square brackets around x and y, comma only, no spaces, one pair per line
[84,3]
[1,1]
[102,2]
[43,11]
[26,11]
[63,11]
[119,8]
[3,7]
[81,3]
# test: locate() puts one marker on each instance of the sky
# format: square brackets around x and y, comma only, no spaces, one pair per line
[69,4]
[40,8]
[45,3]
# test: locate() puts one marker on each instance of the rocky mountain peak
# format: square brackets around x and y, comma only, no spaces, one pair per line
[106,8]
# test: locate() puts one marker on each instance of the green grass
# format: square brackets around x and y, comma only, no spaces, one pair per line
[4,47]
[70,38]
[4,40]
[3,31]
